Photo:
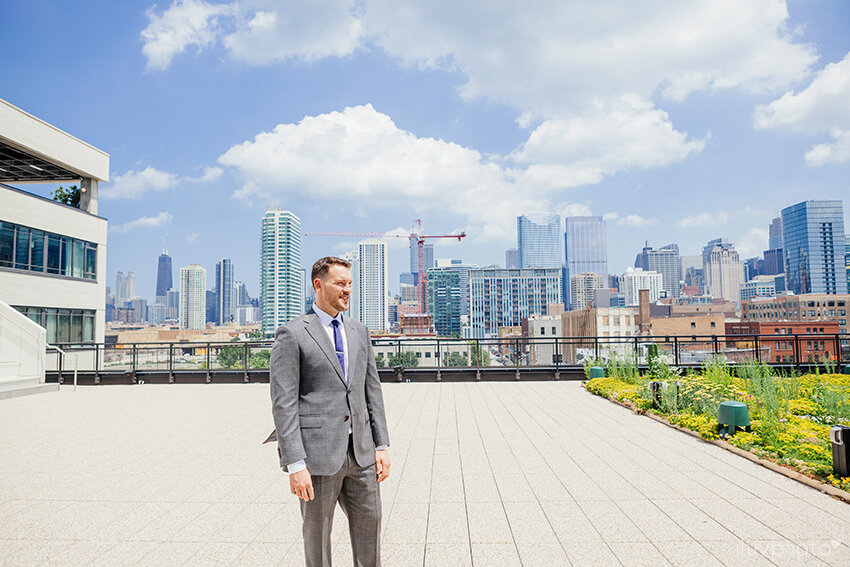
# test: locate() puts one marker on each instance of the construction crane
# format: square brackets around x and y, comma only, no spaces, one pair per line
[420,238]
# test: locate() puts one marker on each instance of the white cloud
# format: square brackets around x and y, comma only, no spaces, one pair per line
[822,107]
[580,150]
[753,243]
[254,31]
[210,174]
[635,221]
[161,219]
[134,184]
[835,152]
[359,158]
[192,238]
[704,219]
[185,23]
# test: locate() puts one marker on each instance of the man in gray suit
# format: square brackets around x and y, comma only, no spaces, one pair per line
[329,416]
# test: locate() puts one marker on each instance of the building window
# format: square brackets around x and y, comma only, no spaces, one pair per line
[693,325]
[63,325]
[31,250]
[713,324]
[542,331]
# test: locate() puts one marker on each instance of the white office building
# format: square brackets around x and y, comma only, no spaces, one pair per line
[353,258]
[636,279]
[373,289]
[52,255]
[281,275]
[193,297]
[723,270]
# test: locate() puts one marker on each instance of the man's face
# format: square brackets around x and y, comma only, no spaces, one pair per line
[333,291]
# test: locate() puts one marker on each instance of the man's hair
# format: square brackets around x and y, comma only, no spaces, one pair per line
[322,265]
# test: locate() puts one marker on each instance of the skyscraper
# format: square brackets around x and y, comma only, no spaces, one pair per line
[163,277]
[373,288]
[281,280]
[813,244]
[636,279]
[444,300]
[722,269]
[125,287]
[193,297]
[585,249]
[583,289]
[538,240]
[665,261]
[512,259]
[503,298]
[354,312]
[225,292]
[775,232]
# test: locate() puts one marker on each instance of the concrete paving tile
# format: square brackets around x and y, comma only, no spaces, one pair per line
[513,487]
[488,523]
[529,523]
[830,551]
[401,554]
[542,555]
[80,553]
[786,553]
[447,523]
[447,555]
[480,488]
[267,554]
[124,553]
[636,554]
[735,552]
[495,555]
[696,523]
[687,554]
[736,520]
[581,487]
[171,553]
[8,549]
[611,523]
[786,524]
[408,523]
[447,487]
[548,487]
[570,523]
[654,523]
[216,554]
[591,555]
[38,552]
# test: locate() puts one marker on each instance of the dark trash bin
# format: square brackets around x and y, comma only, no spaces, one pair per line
[840,437]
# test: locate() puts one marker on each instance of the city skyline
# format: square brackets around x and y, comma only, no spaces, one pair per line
[208,120]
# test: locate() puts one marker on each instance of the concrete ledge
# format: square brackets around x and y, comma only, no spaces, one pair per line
[29,390]
[775,467]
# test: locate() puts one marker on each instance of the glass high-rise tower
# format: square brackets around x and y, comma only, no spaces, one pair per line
[225,292]
[539,240]
[372,284]
[813,244]
[585,250]
[163,277]
[281,279]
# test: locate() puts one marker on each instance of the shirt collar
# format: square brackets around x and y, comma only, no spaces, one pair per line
[325,317]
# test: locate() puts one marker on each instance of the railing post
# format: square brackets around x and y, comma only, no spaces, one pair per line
[716,345]
[676,351]
[171,363]
[135,360]
[797,351]
[439,378]
[596,348]
[245,363]
[756,345]
[61,366]
[208,364]
[97,362]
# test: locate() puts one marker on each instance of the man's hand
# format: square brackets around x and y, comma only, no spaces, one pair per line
[301,484]
[382,463]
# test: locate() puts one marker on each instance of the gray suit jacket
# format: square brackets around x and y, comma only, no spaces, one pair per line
[311,404]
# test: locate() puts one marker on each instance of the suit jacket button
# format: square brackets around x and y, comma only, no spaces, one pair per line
[348,391]
[346,418]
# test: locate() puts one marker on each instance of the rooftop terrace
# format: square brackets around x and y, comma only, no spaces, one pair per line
[484,473]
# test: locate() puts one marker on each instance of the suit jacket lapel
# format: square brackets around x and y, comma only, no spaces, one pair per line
[314,328]
[352,343]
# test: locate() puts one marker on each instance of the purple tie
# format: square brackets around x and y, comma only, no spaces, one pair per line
[340,351]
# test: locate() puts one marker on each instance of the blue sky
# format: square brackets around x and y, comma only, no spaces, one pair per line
[679,122]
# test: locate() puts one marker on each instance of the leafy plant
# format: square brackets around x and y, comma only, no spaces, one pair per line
[69,196]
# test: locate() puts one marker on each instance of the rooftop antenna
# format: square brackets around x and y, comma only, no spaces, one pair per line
[165,244]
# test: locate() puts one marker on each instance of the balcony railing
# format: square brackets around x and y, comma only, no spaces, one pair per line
[401,358]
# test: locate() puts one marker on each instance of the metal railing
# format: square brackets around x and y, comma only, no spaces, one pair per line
[250,359]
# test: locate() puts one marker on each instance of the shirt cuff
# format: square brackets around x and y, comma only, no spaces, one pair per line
[382,447]
[296,467]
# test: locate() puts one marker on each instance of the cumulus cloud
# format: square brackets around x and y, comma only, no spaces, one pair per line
[359,157]
[753,242]
[134,184]
[185,23]
[635,221]
[254,31]
[191,238]
[161,219]
[704,219]
[820,108]
[209,174]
